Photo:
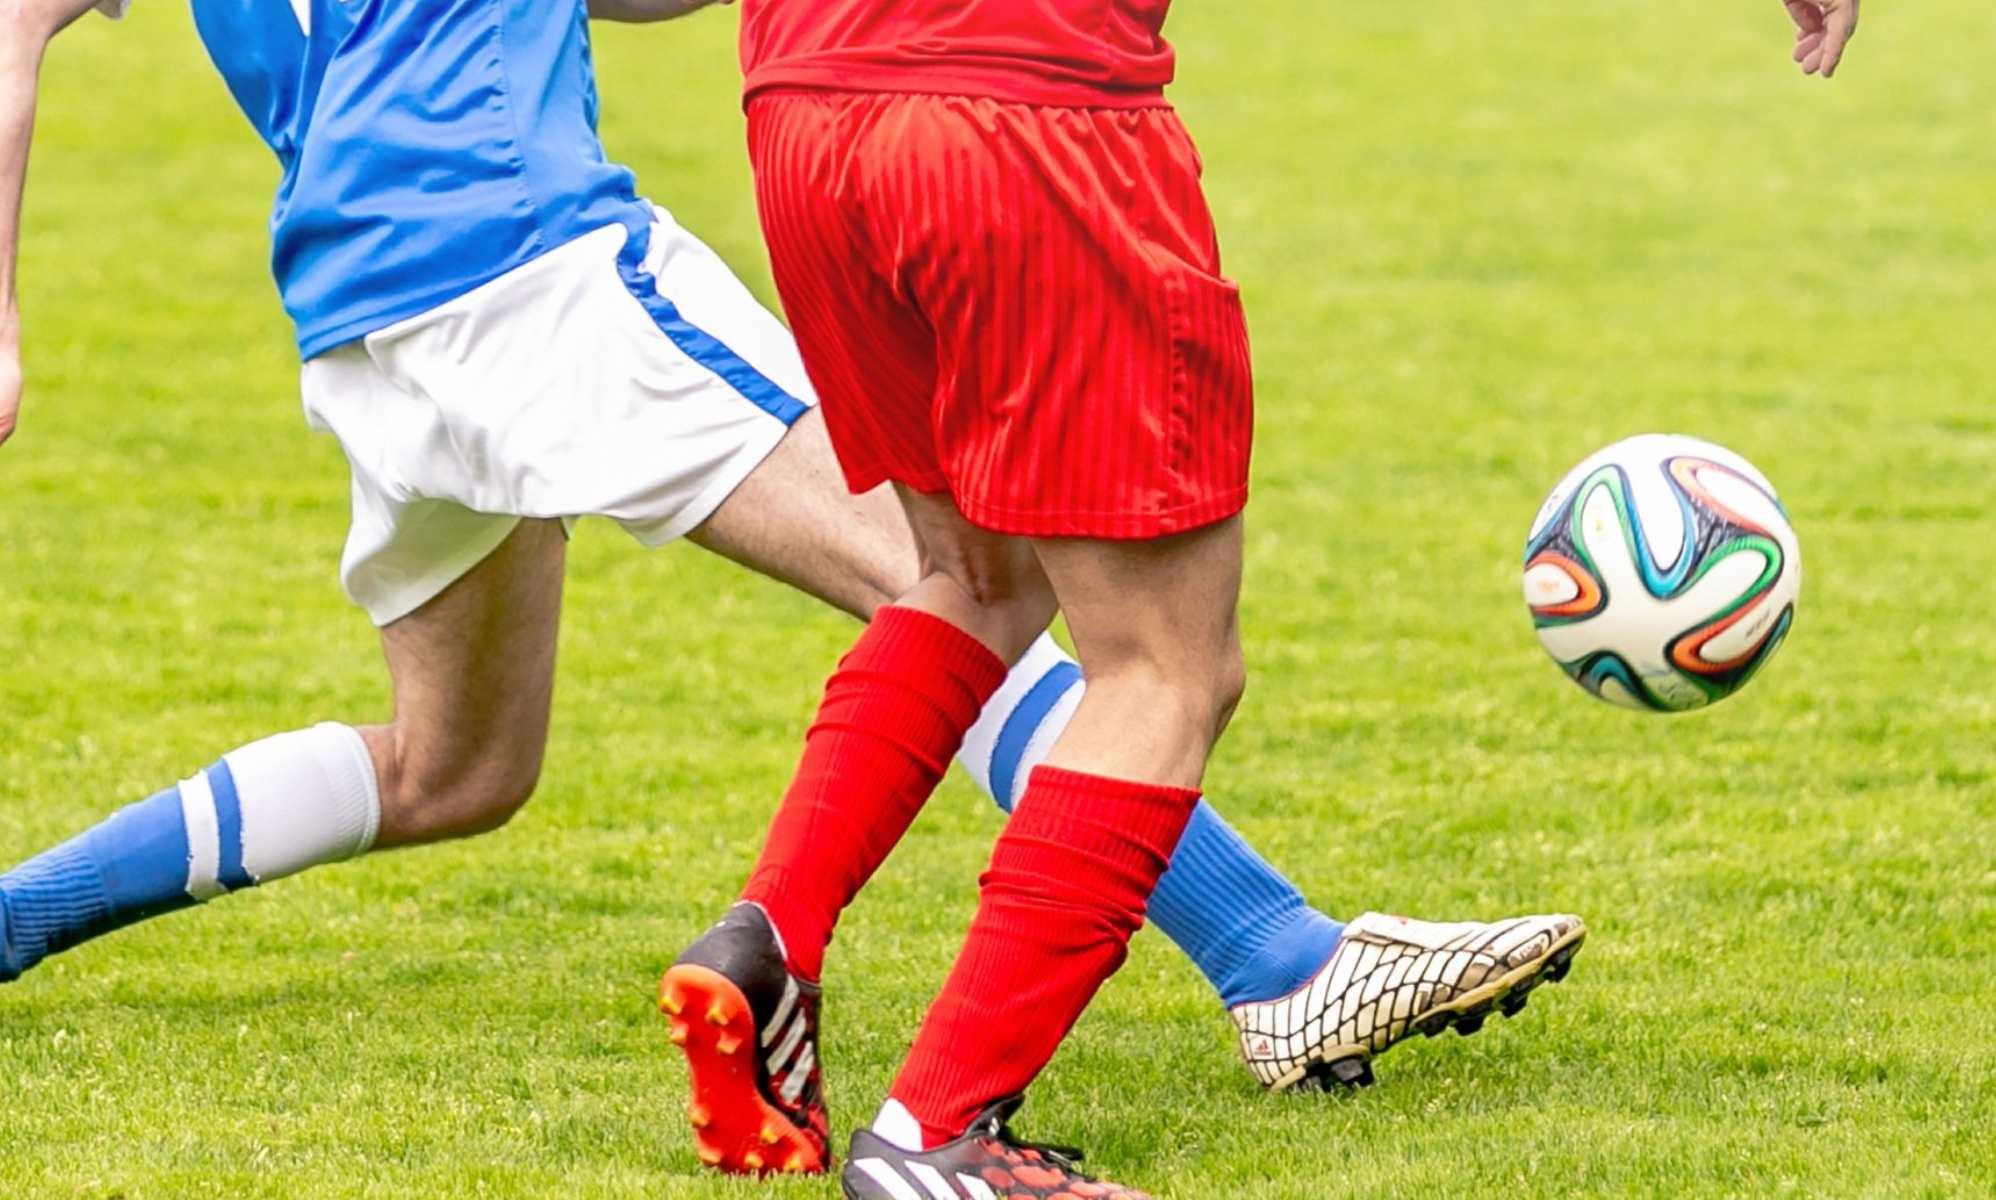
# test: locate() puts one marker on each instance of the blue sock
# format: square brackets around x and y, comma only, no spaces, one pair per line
[132,866]
[1244,925]
[266,810]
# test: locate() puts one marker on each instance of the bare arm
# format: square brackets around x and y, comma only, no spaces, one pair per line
[644,10]
[25,29]
[1822,29]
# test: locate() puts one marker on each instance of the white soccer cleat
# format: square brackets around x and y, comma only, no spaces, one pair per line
[1392,976]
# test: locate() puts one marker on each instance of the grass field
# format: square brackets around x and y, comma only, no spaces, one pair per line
[1477,241]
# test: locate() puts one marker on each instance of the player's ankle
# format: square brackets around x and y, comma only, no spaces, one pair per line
[800,937]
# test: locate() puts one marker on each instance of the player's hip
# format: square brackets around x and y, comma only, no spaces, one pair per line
[937,173]
[625,374]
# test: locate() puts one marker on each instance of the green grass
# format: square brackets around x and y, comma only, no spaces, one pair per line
[1477,241]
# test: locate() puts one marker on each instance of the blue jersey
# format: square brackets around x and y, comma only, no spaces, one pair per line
[428,146]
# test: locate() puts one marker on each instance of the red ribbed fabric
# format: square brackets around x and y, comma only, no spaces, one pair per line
[893,716]
[1019,305]
[1067,886]
[1087,52]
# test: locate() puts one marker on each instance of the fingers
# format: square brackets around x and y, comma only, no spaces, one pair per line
[1838,25]
[1822,28]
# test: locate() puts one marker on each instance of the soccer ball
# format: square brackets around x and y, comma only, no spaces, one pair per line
[1662,573]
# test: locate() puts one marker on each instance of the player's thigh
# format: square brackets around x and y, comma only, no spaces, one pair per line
[1168,605]
[794,520]
[473,673]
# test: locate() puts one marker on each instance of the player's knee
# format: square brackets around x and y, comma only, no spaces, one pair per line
[497,794]
[1229,685]
[426,798]
[1203,684]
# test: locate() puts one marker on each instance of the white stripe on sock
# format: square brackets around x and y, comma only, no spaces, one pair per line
[981,740]
[204,840]
[884,1175]
[932,1179]
[1045,734]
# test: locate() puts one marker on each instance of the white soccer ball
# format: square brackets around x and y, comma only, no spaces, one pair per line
[1662,573]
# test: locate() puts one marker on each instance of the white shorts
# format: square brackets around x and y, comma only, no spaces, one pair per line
[626,377]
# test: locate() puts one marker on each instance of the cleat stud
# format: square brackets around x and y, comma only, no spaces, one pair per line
[715,1015]
[1513,1005]
[726,1045]
[752,1161]
[1469,1025]
[794,1165]
[710,1156]
[672,1003]
[1352,1072]
[680,1032]
[770,1136]
[697,1114]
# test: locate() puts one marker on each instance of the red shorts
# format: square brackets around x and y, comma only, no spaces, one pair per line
[1019,305]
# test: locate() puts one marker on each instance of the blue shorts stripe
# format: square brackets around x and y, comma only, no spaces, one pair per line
[231,873]
[1023,723]
[696,343]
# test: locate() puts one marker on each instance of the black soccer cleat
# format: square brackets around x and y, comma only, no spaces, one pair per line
[749,1029]
[986,1163]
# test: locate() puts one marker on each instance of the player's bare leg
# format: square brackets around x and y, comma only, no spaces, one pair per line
[1247,928]
[793,520]
[1156,624]
[743,999]
[472,672]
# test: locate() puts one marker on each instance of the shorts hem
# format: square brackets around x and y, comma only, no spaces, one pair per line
[1104,526]
[385,606]
[861,480]
[749,455]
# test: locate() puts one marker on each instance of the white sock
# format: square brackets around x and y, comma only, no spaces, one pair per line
[307,798]
[1023,720]
[898,1127]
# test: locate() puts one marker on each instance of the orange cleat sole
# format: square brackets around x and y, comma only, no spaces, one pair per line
[736,1131]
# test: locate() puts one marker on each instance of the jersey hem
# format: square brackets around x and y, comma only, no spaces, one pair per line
[1013,87]
[315,340]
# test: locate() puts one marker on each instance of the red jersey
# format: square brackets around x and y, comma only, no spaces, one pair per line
[1082,53]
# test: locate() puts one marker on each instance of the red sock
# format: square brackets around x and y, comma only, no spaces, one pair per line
[894,714]
[1067,887]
